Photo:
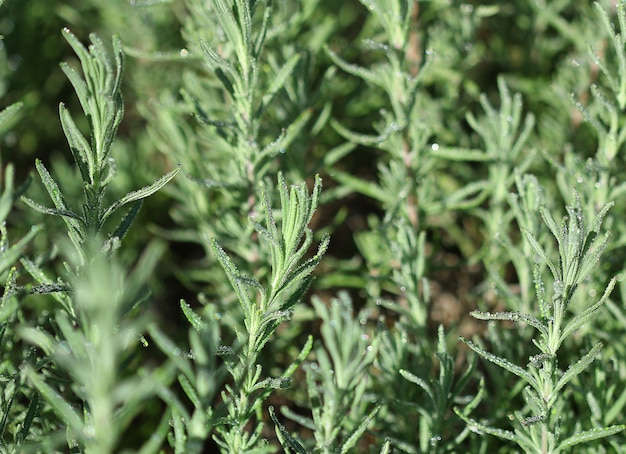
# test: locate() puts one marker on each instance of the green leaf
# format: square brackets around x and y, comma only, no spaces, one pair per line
[80,87]
[58,404]
[233,275]
[57,196]
[33,410]
[79,146]
[504,363]
[362,139]
[9,257]
[361,186]
[513,317]
[355,70]
[419,382]
[304,352]
[171,350]
[190,391]
[353,437]
[179,431]
[124,225]
[141,193]
[588,313]
[6,200]
[574,370]
[541,252]
[285,438]
[8,114]
[194,319]
[478,427]
[278,81]
[460,154]
[590,435]
[216,59]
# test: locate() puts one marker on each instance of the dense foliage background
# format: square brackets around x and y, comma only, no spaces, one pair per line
[446,136]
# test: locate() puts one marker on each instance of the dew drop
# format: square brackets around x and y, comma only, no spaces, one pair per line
[184,52]
[435,440]
[64,349]
[434,147]
[177,352]
[89,431]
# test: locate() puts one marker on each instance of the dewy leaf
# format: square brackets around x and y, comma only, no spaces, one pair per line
[575,369]
[194,319]
[480,428]
[418,381]
[51,211]
[231,30]
[351,440]
[141,193]
[460,154]
[512,316]
[504,363]
[216,58]
[590,435]
[232,273]
[8,113]
[285,438]
[588,313]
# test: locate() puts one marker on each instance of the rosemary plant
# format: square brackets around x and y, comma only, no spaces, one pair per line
[538,425]
[94,331]
[450,138]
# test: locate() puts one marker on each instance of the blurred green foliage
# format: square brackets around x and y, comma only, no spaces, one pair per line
[440,130]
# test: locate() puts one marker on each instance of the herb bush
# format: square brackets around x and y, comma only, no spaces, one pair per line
[280,226]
